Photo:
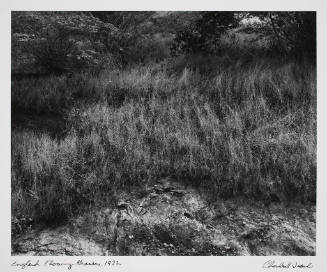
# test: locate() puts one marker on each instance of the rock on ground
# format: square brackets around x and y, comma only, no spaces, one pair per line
[170,219]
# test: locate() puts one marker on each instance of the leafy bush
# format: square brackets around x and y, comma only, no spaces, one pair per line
[294,32]
[204,35]
[57,42]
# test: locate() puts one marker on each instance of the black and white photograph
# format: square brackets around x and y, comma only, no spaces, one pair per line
[163,133]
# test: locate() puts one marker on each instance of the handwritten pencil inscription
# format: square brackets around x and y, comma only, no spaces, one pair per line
[30,264]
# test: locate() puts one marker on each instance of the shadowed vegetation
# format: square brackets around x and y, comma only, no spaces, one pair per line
[245,131]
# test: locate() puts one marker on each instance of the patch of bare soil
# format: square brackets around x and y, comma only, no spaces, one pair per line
[168,219]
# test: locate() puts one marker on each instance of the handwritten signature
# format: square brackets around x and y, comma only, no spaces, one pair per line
[289,265]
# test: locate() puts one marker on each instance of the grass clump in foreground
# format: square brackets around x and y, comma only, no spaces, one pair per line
[248,129]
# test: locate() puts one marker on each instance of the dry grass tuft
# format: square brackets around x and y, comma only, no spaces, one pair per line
[249,129]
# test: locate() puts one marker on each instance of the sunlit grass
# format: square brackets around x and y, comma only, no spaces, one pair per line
[246,130]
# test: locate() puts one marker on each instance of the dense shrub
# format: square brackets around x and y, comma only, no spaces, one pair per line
[57,42]
[293,32]
[204,35]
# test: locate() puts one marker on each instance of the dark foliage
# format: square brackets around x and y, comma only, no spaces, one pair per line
[204,35]
[294,32]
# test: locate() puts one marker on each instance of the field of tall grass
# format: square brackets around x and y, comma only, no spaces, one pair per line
[244,128]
